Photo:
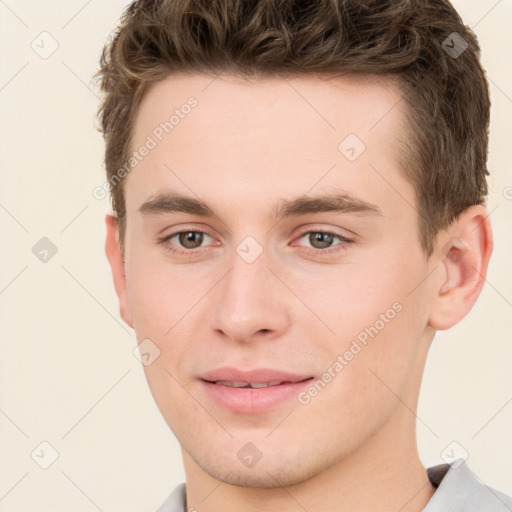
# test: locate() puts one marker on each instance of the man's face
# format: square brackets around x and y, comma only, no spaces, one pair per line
[262,291]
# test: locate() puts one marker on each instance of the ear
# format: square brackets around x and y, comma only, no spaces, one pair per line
[463,251]
[113,253]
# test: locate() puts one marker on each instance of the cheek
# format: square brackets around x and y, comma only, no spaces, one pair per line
[379,324]
[159,294]
[356,299]
[166,308]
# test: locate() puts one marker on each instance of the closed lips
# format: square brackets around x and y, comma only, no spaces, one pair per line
[252,391]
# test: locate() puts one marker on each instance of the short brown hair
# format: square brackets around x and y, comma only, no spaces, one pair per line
[423,44]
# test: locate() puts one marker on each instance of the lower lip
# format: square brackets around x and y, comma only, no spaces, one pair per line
[252,400]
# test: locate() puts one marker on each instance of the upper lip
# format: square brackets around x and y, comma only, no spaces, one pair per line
[261,375]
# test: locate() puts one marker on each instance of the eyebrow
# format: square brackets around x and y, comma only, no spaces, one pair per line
[302,205]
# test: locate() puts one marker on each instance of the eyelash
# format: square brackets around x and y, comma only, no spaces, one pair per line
[164,241]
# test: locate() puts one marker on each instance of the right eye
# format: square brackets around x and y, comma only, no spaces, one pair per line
[186,241]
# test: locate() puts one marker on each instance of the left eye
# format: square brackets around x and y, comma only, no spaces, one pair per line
[322,239]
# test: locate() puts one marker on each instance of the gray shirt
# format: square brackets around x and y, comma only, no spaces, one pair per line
[457,490]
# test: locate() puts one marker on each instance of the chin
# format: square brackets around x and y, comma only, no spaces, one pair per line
[266,479]
[268,473]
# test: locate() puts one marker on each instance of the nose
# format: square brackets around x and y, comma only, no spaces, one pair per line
[250,302]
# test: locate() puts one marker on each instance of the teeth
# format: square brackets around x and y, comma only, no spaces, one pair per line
[255,385]
[261,385]
[231,383]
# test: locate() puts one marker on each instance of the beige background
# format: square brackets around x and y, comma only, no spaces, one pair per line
[67,369]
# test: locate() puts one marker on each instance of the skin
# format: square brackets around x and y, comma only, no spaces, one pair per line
[246,146]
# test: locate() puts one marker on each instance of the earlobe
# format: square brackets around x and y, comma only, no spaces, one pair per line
[464,252]
[113,253]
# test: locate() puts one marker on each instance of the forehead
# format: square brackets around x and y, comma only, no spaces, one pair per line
[303,104]
[266,136]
